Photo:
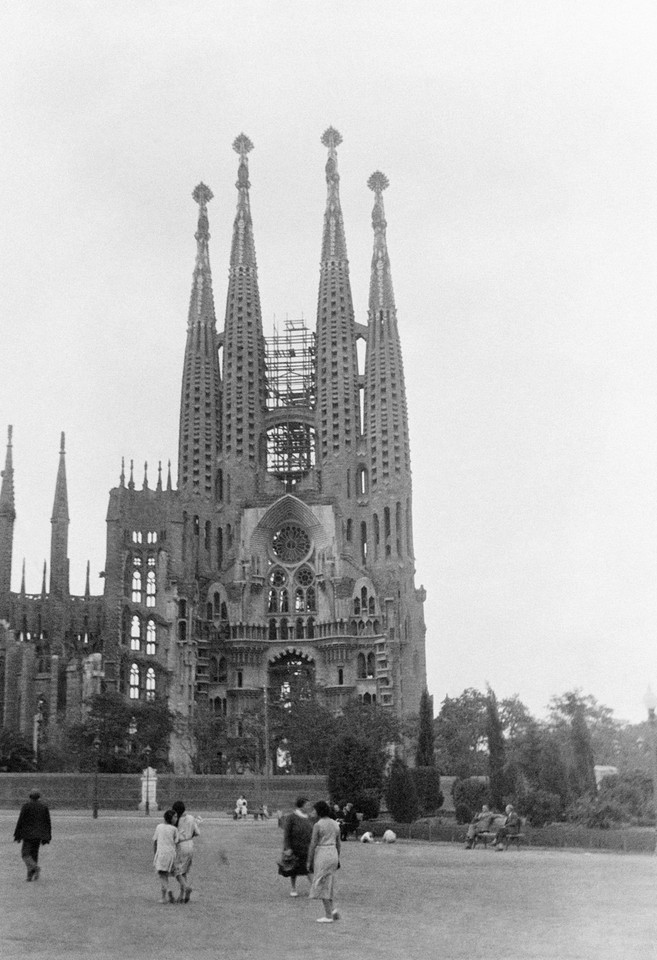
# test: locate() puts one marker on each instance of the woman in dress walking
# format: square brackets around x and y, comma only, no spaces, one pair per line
[165,839]
[324,860]
[297,834]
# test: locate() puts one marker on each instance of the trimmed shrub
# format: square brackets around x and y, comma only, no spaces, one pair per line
[472,792]
[400,793]
[464,813]
[355,773]
[427,786]
[595,813]
[368,803]
[540,807]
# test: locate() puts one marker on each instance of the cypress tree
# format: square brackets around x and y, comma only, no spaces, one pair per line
[424,753]
[496,752]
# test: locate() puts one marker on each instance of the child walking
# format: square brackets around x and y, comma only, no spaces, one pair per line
[165,839]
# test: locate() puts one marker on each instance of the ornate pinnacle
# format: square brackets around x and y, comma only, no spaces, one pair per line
[331,138]
[202,194]
[378,182]
[242,145]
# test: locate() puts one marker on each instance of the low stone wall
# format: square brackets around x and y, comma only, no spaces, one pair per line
[213,794]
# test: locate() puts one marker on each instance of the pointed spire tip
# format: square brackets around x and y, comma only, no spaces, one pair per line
[202,194]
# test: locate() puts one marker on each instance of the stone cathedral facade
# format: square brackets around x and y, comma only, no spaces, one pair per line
[284,551]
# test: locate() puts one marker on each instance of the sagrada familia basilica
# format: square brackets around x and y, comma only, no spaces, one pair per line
[283,555]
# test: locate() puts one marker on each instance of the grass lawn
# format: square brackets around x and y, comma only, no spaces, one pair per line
[99,898]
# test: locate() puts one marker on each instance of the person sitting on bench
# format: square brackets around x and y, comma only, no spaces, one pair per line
[511,827]
[480,824]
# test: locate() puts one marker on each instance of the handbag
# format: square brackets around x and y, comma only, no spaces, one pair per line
[287,864]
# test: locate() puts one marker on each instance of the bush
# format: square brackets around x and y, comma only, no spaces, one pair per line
[368,803]
[540,807]
[463,813]
[355,773]
[595,813]
[632,792]
[401,795]
[427,786]
[472,792]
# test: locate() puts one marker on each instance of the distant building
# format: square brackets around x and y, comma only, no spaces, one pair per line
[283,558]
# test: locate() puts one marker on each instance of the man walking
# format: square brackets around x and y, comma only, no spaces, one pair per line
[33,828]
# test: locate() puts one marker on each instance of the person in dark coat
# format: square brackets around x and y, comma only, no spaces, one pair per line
[33,828]
[297,832]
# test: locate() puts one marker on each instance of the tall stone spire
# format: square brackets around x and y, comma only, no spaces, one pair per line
[200,404]
[386,417]
[244,400]
[7,518]
[59,585]
[337,361]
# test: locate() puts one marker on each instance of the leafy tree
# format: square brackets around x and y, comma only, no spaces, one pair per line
[400,793]
[606,733]
[123,731]
[424,753]
[469,796]
[460,730]
[427,785]
[310,729]
[582,770]
[540,807]
[16,752]
[632,792]
[355,773]
[496,774]
[209,737]
[371,723]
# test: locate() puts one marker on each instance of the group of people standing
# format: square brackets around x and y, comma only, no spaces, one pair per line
[311,848]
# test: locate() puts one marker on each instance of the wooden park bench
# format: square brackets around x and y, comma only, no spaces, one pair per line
[488,836]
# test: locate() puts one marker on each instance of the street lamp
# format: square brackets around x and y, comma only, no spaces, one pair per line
[96,746]
[147,805]
[650,701]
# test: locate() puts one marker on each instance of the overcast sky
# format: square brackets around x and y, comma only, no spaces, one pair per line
[519,140]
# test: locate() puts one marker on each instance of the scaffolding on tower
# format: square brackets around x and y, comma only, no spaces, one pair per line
[290,361]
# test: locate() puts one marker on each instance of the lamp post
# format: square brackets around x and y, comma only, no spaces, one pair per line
[96,746]
[147,804]
[650,701]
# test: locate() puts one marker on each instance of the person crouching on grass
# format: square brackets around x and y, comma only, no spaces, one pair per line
[165,839]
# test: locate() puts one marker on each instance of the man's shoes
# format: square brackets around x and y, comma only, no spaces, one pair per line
[335,914]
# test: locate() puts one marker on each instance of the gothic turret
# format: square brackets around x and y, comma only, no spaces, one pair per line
[200,404]
[7,518]
[59,585]
[386,418]
[244,439]
[337,362]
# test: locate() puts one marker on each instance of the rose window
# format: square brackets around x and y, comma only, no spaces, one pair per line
[291,543]
[305,576]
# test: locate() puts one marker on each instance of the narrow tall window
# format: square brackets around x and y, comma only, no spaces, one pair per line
[363,541]
[135,634]
[150,588]
[150,684]
[134,682]
[151,636]
[136,586]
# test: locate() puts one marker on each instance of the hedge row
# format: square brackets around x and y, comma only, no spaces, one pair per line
[556,835]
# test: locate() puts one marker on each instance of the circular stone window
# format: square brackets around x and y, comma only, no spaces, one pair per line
[291,543]
[278,577]
[305,576]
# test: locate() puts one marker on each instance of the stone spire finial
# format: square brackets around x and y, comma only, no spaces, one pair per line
[243,246]
[43,579]
[23,579]
[159,475]
[145,483]
[202,195]
[87,584]
[7,502]
[131,481]
[122,474]
[381,292]
[169,475]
